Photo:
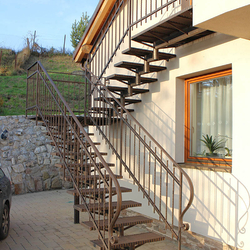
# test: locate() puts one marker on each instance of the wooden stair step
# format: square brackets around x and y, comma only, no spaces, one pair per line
[88,178]
[131,80]
[108,110]
[97,190]
[124,90]
[72,142]
[127,100]
[139,67]
[71,154]
[56,134]
[132,240]
[92,207]
[121,222]
[147,54]
[59,165]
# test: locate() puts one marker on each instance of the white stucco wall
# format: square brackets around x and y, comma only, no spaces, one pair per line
[225,16]
[220,208]
[221,199]
[204,10]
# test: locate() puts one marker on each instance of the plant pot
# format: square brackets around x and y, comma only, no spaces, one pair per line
[211,154]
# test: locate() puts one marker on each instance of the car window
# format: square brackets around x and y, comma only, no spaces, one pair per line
[1,173]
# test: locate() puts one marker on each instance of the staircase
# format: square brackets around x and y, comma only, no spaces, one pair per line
[96,188]
[138,156]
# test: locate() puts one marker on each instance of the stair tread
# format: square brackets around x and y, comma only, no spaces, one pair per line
[130,240]
[84,165]
[72,142]
[147,53]
[125,90]
[73,153]
[131,79]
[123,221]
[108,109]
[90,177]
[125,204]
[139,66]
[97,190]
[127,100]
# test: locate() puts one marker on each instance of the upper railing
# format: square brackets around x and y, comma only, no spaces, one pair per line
[79,154]
[126,16]
[163,182]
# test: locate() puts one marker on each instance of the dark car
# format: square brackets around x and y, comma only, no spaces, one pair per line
[5,203]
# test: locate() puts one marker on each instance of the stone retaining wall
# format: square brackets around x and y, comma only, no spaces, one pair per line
[25,156]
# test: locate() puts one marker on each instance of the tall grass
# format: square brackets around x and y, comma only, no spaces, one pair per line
[13,79]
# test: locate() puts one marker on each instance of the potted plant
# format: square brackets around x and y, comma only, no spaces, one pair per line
[212,144]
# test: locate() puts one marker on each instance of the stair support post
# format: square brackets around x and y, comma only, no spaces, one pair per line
[37,94]
[130,90]
[137,79]
[76,212]
[121,131]
[156,54]
[146,66]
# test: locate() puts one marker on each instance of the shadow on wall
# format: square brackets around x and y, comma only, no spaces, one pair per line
[154,119]
[220,208]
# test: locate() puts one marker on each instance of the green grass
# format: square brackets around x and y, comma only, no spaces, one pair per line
[13,88]
[13,93]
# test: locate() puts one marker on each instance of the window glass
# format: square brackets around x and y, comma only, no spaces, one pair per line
[210,109]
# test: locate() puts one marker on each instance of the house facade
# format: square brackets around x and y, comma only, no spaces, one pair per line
[198,93]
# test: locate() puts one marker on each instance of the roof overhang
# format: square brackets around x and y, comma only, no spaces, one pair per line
[95,25]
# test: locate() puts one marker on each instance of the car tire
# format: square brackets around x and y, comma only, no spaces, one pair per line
[5,222]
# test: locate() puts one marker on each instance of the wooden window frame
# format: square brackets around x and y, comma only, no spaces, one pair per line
[188,82]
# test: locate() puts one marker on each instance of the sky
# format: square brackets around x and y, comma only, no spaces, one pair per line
[51,19]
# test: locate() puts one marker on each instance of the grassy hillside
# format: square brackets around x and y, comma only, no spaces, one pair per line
[13,82]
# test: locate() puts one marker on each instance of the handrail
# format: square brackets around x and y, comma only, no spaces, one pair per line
[104,61]
[69,118]
[102,90]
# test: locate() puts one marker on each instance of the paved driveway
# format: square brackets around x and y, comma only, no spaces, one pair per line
[44,220]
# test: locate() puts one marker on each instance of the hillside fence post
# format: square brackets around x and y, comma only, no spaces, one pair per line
[64,44]
[15,61]
[1,56]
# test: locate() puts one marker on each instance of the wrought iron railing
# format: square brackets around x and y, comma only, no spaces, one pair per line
[122,20]
[167,187]
[93,180]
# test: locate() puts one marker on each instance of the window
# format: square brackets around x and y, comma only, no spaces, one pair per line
[209,116]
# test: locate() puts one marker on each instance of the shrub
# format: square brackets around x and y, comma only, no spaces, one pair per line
[1,102]
[3,71]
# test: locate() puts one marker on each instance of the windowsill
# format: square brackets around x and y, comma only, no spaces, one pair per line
[209,165]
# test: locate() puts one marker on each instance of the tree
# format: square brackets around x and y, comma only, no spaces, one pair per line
[78,29]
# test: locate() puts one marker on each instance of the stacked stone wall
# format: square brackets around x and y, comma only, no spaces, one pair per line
[26,156]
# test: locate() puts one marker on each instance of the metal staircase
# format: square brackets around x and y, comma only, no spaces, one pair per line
[68,108]
[95,184]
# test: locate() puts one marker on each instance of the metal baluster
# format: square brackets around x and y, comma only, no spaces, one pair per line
[144,161]
[166,216]
[160,185]
[134,154]
[173,202]
[139,157]
[149,170]
[155,180]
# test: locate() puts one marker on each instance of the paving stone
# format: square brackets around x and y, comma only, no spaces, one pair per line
[44,220]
